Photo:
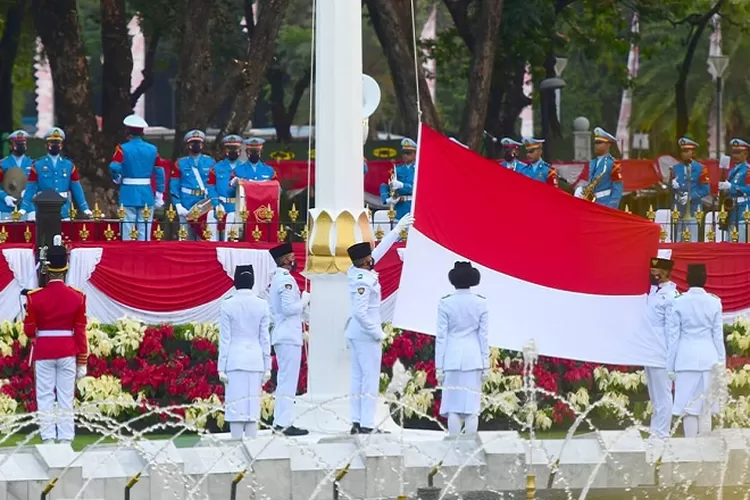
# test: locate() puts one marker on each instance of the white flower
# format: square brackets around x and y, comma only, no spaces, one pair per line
[107,394]
[8,405]
[128,337]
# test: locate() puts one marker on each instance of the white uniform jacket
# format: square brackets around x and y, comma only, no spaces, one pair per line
[660,303]
[696,332]
[244,342]
[286,308]
[365,323]
[462,341]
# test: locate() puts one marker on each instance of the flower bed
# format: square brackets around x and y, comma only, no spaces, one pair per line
[134,367]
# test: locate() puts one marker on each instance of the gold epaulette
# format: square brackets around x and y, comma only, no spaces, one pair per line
[33,291]
[77,290]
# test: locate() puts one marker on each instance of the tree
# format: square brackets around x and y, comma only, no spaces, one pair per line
[12,28]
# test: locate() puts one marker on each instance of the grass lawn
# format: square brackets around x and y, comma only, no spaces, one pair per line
[82,441]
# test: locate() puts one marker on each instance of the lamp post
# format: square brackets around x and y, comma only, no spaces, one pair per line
[717,65]
[560,64]
[548,85]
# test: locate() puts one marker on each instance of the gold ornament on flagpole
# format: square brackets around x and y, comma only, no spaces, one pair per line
[711,234]
[256,233]
[675,214]
[96,213]
[281,234]
[83,233]
[220,213]
[391,213]
[379,233]
[121,213]
[305,233]
[16,215]
[244,215]
[206,233]
[233,234]
[293,213]
[735,235]
[171,213]
[146,212]
[723,215]
[158,233]
[134,233]
[72,212]
[746,215]
[699,214]
[109,234]
[3,235]
[27,234]
[182,234]
[193,214]
[651,215]
[627,209]
[403,234]
[686,235]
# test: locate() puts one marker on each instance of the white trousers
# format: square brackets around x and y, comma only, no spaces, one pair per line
[289,358]
[55,381]
[660,394]
[134,217]
[242,396]
[365,387]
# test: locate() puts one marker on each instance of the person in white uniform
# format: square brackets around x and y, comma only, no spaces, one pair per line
[660,300]
[287,306]
[696,344]
[364,330]
[244,353]
[462,350]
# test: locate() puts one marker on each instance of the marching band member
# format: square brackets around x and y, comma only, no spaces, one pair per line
[364,331]
[510,153]
[254,169]
[462,350]
[537,169]
[132,165]
[660,301]
[690,182]
[54,171]
[244,353]
[605,175]
[222,193]
[55,322]
[737,185]
[188,181]
[286,336]
[398,191]
[19,159]
[696,343]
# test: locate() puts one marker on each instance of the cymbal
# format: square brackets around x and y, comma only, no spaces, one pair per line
[14,181]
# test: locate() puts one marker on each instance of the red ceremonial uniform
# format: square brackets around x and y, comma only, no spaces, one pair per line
[50,312]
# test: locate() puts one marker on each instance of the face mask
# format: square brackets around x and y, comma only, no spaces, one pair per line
[254,157]
[233,155]
[19,149]
[510,156]
[654,280]
[371,265]
[196,147]
[293,266]
[54,150]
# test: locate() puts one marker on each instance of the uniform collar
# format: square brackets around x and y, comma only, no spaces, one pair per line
[245,291]
[666,284]
[698,290]
[462,291]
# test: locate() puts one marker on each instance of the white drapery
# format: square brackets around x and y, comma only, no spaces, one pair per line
[23,266]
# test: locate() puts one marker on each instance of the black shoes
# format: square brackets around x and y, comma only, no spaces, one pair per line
[291,431]
[355,428]
[358,429]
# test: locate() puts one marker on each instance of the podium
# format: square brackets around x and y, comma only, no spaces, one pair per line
[260,201]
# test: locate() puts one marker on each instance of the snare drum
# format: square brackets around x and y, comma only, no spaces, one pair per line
[200,210]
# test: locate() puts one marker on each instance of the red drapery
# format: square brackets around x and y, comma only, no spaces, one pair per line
[171,276]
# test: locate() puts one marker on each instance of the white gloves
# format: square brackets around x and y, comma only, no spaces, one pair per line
[725,185]
[396,184]
[682,199]
[391,201]
[10,201]
[159,200]
[223,378]
[234,181]
[440,376]
[117,179]
[305,299]
[267,376]
[81,372]
[23,193]
[31,217]
[579,192]
[675,184]
[181,211]
[405,222]
[672,376]
[88,213]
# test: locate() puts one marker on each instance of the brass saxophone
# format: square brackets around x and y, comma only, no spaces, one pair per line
[589,191]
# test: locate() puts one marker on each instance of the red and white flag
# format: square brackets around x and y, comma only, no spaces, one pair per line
[567,273]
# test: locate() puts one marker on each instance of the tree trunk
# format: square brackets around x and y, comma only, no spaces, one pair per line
[245,81]
[193,79]
[480,73]
[391,20]
[116,70]
[57,25]
[507,99]
[276,79]
[8,53]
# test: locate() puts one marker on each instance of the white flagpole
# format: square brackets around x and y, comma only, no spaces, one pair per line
[626,105]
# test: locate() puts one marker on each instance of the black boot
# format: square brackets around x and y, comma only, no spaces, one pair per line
[355,428]
[295,431]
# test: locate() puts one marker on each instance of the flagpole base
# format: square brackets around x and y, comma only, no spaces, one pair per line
[330,414]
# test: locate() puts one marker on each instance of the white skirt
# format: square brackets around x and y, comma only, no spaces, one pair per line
[242,396]
[462,392]
[691,390]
